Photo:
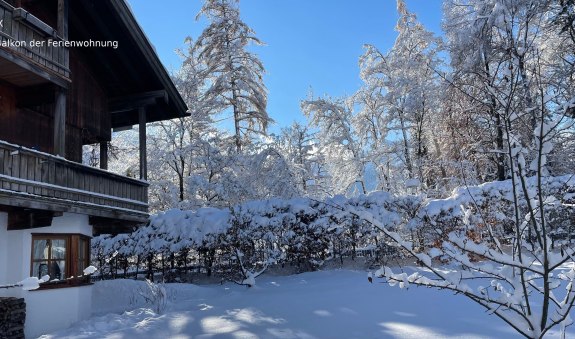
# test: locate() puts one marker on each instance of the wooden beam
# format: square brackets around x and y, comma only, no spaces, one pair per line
[131,102]
[21,219]
[153,113]
[123,128]
[60,123]
[112,226]
[143,153]
[20,14]
[104,155]
[115,109]
[58,205]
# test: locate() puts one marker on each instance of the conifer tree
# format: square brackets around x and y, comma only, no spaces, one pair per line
[235,75]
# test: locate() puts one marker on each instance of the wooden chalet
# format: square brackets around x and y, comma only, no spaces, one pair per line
[71,72]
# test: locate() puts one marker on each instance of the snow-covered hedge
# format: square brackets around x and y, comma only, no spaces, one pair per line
[242,241]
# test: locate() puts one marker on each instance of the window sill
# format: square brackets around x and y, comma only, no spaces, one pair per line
[62,284]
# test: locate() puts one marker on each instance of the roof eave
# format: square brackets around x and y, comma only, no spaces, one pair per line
[147,50]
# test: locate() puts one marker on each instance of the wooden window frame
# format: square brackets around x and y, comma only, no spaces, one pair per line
[73,274]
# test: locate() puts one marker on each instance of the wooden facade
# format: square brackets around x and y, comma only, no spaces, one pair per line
[55,100]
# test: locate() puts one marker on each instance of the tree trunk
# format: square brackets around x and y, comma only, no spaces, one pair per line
[500,154]
[238,137]
[408,163]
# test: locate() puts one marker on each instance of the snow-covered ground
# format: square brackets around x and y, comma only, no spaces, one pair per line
[328,304]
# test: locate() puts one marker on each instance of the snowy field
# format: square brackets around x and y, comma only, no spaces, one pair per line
[328,304]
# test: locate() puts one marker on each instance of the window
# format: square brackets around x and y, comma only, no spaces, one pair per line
[61,256]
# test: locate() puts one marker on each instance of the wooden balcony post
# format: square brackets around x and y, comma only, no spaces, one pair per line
[60,107]
[62,28]
[63,9]
[60,123]
[104,155]
[143,153]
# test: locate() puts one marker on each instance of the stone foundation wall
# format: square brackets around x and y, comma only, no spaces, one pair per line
[12,318]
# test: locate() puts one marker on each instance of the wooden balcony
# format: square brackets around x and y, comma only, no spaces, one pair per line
[35,180]
[19,28]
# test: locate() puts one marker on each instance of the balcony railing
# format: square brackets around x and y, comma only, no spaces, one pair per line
[30,175]
[20,28]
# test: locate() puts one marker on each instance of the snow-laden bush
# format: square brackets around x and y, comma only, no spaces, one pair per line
[244,240]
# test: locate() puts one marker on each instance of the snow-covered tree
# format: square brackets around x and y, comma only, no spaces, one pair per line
[506,58]
[515,273]
[401,86]
[177,145]
[298,145]
[172,151]
[235,74]
[522,276]
[373,126]
[339,143]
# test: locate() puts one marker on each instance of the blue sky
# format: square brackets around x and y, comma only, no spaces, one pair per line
[310,44]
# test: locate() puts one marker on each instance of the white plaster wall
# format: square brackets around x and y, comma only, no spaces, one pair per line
[51,310]
[3,245]
[11,259]
[46,310]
